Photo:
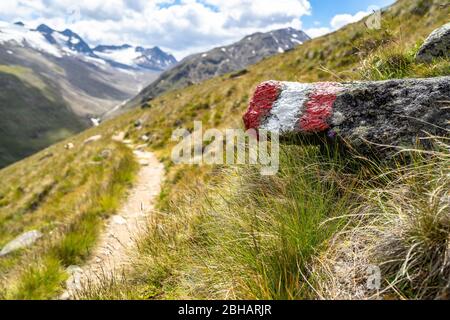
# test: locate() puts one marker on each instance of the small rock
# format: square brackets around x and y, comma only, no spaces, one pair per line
[119,137]
[144,163]
[96,121]
[145,138]
[106,154]
[69,146]
[65,296]
[119,220]
[141,147]
[92,139]
[74,269]
[436,45]
[22,241]
[74,281]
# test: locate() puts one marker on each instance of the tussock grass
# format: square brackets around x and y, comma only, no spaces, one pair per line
[397,61]
[402,228]
[67,199]
[41,280]
[245,236]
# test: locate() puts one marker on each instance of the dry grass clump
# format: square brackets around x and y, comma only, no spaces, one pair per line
[402,231]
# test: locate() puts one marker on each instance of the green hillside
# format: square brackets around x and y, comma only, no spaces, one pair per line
[34,115]
[227,232]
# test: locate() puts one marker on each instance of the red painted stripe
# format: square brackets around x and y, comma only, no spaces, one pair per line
[319,107]
[262,102]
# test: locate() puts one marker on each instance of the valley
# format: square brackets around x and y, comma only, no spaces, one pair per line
[55,86]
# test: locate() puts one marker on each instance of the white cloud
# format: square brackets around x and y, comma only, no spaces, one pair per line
[182,27]
[317,32]
[341,20]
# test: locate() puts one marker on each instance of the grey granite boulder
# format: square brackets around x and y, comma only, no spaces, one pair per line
[22,241]
[436,45]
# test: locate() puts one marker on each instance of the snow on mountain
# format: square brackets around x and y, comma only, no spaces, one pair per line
[67,43]
[27,38]
[136,57]
[121,54]
[67,40]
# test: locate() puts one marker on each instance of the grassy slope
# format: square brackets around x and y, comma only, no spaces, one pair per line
[34,115]
[66,194]
[209,241]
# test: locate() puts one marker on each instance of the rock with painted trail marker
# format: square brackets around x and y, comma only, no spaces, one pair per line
[23,241]
[436,45]
[368,115]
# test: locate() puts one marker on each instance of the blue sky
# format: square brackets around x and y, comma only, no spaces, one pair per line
[323,11]
[183,27]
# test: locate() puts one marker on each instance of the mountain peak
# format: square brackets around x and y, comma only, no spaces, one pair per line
[138,57]
[225,59]
[68,32]
[43,28]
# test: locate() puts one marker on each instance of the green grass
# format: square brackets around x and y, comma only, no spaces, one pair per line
[246,237]
[402,227]
[397,62]
[67,199]
[42,112]
[41,281]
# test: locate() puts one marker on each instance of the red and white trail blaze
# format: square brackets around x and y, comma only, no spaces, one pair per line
[292,107]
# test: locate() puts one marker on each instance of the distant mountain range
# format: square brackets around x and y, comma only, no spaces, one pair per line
[67,42]
[199,67]
[53,84]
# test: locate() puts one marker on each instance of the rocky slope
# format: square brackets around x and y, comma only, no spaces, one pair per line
[222,60]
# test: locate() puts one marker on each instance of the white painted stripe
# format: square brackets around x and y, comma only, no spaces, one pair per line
[288,109]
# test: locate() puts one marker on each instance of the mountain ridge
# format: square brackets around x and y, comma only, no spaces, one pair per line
[68,42]
[221,60]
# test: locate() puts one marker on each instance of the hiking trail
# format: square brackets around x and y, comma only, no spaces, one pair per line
[113,251]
